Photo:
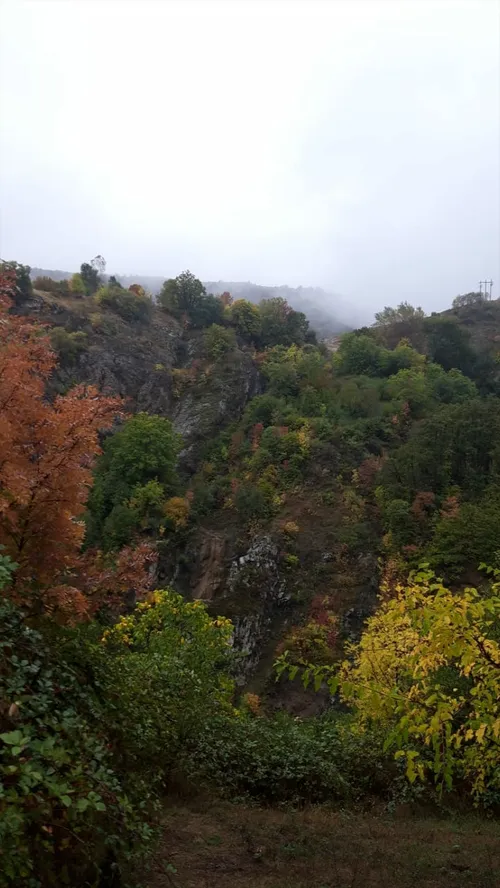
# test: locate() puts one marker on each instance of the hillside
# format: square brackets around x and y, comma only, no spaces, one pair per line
[254,574]
[327,312]
[335,541]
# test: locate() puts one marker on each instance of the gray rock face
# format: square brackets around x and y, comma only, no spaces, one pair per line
[137,360]
[208,405]
[254,581]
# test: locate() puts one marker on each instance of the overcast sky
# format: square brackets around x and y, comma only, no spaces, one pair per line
[350,145]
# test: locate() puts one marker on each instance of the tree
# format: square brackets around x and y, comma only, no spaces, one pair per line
[427,669]
[448,344]
[99,263]
[144,450]
[131,304]
[48,285]
[77,285]
[91,274]
[185,294]
[137,289]
[360,354]
[23,287]
[281,324]
[218,341]
[429,663]
[244,316]
[46,454]
[403,312]
[403,322]
[469,299]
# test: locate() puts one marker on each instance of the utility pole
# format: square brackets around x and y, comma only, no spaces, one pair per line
[488,286]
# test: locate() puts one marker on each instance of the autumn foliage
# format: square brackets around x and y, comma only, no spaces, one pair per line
[47,452]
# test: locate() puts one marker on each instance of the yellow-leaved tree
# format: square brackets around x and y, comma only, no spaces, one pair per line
[428,667]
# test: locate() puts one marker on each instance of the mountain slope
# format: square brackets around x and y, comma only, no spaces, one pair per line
[327,312]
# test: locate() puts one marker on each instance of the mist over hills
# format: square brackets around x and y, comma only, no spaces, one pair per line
[327,312]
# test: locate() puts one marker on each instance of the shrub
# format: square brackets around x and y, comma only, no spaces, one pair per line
[77,285]
[68,345]
[144,450]
[186,295]
[23,289]
[167,674]
[129,304]
[176,510]
[218,341]
[92,724]
[48,285]
[245,318]
[285,759]
[469,299]
[252,502]
[62,803]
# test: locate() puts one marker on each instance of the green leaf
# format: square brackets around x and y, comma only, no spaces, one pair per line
[14,738]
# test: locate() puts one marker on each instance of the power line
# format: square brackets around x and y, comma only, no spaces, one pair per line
[488,285]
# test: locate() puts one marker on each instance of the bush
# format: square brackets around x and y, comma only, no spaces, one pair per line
[218,341]
[245,318]
[143,451]
[48,285]
[186,295]
[129,304]
[24,287]
[166,674]
[77,285]
[284,759]
[252,503]
[62,803]
[67,345]
[92,724]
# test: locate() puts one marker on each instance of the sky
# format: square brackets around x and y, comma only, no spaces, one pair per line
[349,145]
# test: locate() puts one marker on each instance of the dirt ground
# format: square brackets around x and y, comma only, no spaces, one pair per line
[218,845]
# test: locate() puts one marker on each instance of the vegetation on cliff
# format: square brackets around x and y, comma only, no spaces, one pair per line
[388,448]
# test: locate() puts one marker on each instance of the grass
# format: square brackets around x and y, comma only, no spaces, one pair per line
[222,845]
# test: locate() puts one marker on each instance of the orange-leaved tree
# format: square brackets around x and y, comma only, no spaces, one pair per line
[46,456]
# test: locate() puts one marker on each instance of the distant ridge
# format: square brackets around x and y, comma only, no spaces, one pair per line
[327,313]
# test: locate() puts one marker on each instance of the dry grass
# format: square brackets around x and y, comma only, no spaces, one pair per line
[232,846]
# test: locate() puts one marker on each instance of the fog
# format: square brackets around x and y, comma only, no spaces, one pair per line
[349,145]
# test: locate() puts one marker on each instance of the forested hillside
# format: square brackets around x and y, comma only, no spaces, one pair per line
[327,312]
[234,559]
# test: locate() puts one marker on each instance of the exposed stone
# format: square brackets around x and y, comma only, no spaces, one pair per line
[254,581]
[210,567]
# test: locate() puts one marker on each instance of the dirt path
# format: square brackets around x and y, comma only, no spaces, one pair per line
[231,846]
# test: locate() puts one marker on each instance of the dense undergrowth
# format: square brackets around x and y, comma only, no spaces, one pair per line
[109,690]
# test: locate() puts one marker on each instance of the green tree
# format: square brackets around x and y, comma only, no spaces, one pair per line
[186,295]
[360,354]
[448,344]
[129,304]
[404,312]
[144,450]
[218,341]
[77,285]
[244,316]
[91,274]
[280,324]
[472,298]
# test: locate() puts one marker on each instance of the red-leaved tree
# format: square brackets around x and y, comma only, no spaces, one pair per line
[47,450]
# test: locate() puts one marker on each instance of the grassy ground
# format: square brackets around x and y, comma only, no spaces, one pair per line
[218,845]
